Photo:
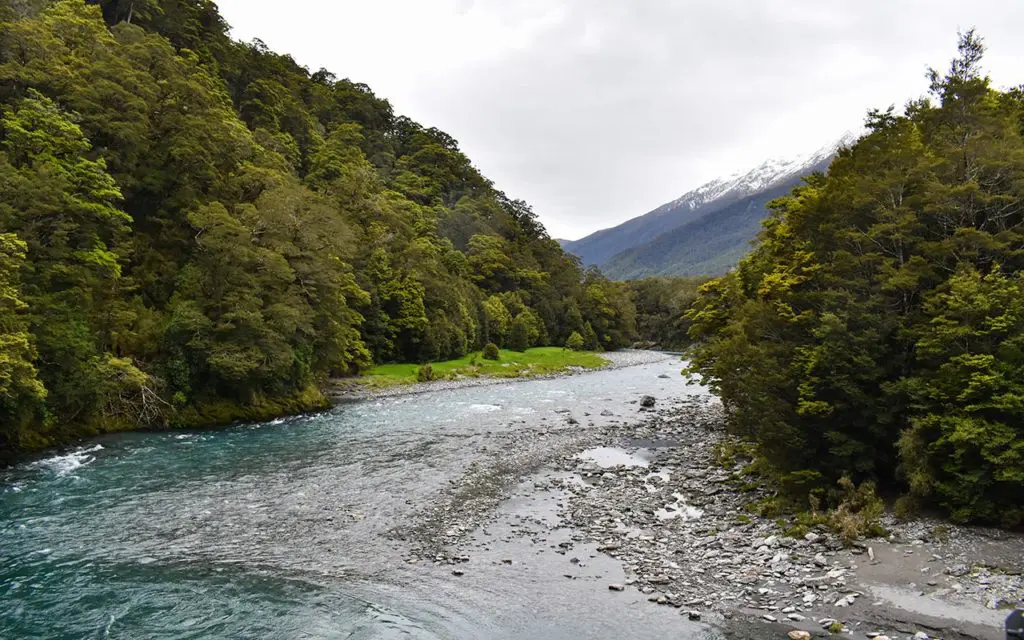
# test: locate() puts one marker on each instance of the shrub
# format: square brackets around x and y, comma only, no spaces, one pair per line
[491,352]
[575,341]
[858,512]
[425,373]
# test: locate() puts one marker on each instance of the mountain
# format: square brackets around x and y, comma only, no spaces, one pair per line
[710,245]
[683,237]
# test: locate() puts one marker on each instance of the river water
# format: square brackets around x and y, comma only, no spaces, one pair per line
[283,529]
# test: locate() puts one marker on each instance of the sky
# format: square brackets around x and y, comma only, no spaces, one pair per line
[597,111]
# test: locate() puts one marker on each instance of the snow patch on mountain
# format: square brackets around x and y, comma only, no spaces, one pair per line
[770,173]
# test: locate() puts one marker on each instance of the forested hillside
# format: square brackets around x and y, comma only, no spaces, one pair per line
[194,230]
[661,310]
[877,330]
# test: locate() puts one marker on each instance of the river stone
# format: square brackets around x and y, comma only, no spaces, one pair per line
[616,587]
[797,634]
[647,401]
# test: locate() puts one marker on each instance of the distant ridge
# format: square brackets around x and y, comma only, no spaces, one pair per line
[704,231]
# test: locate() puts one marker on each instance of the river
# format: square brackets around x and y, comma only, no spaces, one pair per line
[285,529]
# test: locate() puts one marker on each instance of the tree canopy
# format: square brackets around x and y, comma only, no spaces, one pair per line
[194,230]
[875,331]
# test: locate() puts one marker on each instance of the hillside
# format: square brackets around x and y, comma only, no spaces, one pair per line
[195,230]
[709,245]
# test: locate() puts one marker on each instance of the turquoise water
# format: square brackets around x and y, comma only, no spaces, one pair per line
[280,529]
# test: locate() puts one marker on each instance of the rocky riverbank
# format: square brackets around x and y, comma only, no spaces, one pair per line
[646,490]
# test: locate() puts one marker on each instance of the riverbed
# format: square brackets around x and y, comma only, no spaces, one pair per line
[306,527]
[550,508]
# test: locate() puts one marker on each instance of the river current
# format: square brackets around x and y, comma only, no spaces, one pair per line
[282,529]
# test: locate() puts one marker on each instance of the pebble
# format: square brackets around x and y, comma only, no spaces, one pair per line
[682,532]
[798,634]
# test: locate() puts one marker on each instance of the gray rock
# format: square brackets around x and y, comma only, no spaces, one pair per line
[958,570]
[616,587]
[647,401]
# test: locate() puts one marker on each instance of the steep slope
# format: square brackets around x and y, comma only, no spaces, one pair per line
[709,245]
[195,230]
[602,246]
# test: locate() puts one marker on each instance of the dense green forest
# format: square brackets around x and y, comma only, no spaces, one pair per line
[194,230]
[661,310]
[877,329]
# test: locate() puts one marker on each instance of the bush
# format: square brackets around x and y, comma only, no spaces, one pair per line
[575,341]
[858,512]
[491,352]
[425,373]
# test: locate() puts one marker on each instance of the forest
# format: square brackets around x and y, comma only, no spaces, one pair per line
[195,230]
[875,335]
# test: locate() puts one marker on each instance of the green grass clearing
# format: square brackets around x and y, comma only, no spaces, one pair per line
[512,364]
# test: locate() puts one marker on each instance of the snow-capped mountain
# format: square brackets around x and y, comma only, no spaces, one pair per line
[764,176]
[604,247]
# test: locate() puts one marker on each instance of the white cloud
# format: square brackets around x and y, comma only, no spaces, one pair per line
[595,111]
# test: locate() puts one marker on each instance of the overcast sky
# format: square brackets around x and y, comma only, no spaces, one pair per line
[596,111]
